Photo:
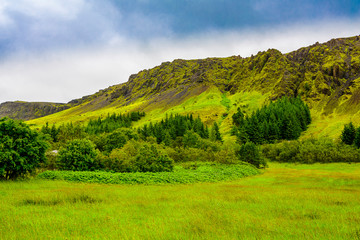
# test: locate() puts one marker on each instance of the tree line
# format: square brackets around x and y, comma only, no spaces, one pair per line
[175,126]
[284,119]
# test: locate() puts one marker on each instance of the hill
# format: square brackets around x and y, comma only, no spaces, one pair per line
[29,110]
[325,75]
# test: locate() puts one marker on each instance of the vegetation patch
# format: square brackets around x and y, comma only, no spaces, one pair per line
[311,151]
[189,173]
[82,198]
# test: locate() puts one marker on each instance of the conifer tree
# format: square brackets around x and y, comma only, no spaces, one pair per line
[348,134]
[357,138]
[215,133]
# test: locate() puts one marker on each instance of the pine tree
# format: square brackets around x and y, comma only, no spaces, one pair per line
[238,117]
[348,134]
[357,138]
[215,133]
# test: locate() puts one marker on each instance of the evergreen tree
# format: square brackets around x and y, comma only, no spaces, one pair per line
[348,134]
[284,119]
[215,133]
[357,138]
[238,117]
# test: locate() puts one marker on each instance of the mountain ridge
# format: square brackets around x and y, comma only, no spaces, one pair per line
[326,76]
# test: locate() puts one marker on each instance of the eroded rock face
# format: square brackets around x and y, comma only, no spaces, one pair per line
[29,110]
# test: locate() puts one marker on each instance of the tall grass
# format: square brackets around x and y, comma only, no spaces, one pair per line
[319,201]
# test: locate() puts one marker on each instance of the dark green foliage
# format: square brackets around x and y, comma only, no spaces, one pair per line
[78,155]
[284,119]
[106,142]
[138,157]
[21,149]
[357,138]
[208,152]
[215,133]
[191,139]
[174,126]
[348,134]
[149,159]
[204,172]
[238,117]
[311,151]
[53,132]
[113,122]
[70,131]
[250,153]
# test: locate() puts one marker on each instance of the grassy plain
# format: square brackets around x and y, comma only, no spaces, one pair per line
[287,201]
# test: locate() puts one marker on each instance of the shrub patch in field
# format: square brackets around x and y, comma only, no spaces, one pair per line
[204,172]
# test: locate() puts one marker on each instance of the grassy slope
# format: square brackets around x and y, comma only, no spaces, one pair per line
[325,75]
[319,201]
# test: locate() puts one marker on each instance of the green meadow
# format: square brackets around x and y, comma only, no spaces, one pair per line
[285,201]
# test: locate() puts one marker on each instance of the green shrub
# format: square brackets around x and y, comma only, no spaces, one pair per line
[116,139]
[121,160]
[149,159]
[193,173]
[357,138]
[79,155]
[21,149]
[191,155]
[139,157]
[311,151]
[250,153]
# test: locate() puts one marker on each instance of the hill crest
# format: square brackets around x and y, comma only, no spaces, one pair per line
[325,75]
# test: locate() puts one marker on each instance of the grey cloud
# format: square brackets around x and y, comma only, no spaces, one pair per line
[60,76]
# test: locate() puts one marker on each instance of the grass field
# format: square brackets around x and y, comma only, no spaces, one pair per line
[320,201]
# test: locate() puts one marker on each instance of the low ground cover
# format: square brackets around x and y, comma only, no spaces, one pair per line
[186,173]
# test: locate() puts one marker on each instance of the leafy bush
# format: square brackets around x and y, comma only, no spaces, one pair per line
[21,149]
[120,160]
[149,159]
[311,151]
[250,153]
[208,152]
[203,172]
[139,157]
[78,155]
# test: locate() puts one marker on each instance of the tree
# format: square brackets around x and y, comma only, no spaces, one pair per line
[215,133]
[116,139]
[149,159]
[357,138]
[21,149]
[78,155]
[238,117]
[250,153]
[348,134]
[191,139]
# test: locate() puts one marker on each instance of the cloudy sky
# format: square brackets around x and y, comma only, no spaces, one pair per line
[58,50]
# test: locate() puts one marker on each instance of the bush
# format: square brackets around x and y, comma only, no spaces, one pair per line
[150,160]
[116,139]
[311,151]
[78,155]
[250,153]
[21,149]
[201,172]
[139,157]
[120,160]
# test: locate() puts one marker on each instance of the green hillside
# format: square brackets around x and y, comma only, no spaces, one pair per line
[326,76]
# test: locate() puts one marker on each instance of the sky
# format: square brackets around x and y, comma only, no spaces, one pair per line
[59,50]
